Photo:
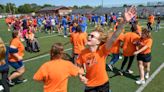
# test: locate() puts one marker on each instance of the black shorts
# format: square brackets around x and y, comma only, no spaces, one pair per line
[144,57]
[103,88]
[48,27]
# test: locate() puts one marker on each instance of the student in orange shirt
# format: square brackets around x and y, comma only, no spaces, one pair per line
[136,28]
[128,49]
[34,24]
[78,40]
[115,50]
[16,59]
[144,55]
[93,58]
[150,22]
[8,21]
[50,72]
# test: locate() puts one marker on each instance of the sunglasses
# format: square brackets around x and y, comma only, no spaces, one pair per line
[92,36]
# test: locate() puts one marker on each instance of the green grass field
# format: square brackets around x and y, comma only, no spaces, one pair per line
[124,83]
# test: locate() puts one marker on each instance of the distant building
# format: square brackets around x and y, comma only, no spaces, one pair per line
[61,10]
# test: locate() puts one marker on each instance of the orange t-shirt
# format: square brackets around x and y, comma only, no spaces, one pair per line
[128,47]
[95,65]
[148,42]
[55,75]
[151,19]
[78,40]
[18,44]
[34,22]
[8,20]
[115,49]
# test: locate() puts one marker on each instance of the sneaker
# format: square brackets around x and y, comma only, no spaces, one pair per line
[65,36]
[140,82]
[120,57]
[1,88]
[21,80]
[11,83]
[147,75]
[9,30]
[129,71]
[121,72]
[110,67]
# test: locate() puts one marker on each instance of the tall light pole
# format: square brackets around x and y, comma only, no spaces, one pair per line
[102,3]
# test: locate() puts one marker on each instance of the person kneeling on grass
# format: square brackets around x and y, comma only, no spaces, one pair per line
[54,73]
[144,55]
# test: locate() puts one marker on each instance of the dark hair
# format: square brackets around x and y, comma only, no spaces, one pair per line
[146,32]
[57,51]
[134,28]
[75,21]
[15,34]
[78,29]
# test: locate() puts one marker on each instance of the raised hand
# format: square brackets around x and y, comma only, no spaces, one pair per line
[130,13]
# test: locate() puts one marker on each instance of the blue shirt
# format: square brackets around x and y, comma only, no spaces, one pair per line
[102,18]
[96,18]
[64,22]
[82,27]
[84,20]
[73,29]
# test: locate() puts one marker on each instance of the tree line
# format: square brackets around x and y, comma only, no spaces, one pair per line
[28,8]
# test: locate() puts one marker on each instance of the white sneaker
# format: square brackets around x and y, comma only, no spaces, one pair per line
[140,82]
[147,75]
[121,72]
[1,88]
[110,67]
[129,71]
[120,57]
[65,36]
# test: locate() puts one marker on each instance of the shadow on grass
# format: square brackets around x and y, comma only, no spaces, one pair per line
[116,72]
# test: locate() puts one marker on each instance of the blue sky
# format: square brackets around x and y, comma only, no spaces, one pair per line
[78,2]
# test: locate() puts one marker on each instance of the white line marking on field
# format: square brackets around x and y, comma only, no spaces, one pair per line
[41,56]
[141,88]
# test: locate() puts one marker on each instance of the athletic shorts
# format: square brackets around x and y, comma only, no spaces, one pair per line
[103,88]
[16,65]
[144,57]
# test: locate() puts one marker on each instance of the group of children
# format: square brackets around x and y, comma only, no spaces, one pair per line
[88,63]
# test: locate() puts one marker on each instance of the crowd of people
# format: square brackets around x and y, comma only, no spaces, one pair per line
[89,52]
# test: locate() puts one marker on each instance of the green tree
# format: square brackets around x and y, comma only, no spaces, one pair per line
[86,7]
[2,8]
[26,8]
[125,5]
[46,5]
[35,7]
[10,8]
[75,7]
[140,5]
